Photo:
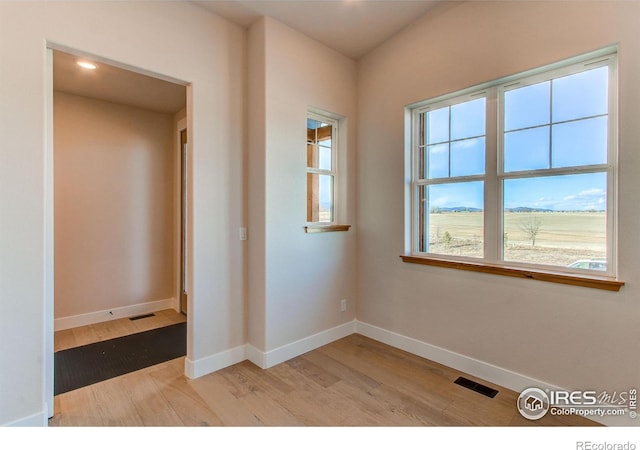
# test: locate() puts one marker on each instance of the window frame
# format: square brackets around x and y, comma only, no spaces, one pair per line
[494,174]
[447,101]
[333,172]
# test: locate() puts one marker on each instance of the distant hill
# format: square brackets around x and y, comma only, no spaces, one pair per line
[521,209]
[459,209]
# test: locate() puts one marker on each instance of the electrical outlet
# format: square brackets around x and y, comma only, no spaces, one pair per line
[243,234]
[343,305]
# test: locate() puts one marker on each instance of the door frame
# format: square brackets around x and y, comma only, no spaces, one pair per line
[48,207]
[48,239]
[182,237]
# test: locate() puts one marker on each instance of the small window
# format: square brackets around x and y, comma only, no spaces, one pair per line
[322,134]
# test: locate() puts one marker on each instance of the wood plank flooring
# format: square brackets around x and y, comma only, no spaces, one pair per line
[75,337]
[354,381]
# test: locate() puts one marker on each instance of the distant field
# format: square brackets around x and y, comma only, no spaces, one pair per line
[562,237]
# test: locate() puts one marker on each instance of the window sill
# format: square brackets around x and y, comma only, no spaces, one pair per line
[589,281]
[325,228]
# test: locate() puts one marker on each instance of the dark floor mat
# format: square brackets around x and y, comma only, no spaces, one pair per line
[82,366]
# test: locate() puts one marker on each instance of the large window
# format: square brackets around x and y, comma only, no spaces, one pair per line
[520,172]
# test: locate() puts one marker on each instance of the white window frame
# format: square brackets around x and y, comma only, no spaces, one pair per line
[494,175]
[447,101]
[333,121]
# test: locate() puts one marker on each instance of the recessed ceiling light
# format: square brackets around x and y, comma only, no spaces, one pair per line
[87,65]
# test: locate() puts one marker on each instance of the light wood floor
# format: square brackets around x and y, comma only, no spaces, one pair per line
[354,381]
[90,334]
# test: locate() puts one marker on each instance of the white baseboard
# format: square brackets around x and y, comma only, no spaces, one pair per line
[264,360]
[304,345]
[64,323]
[256,356]
[212,363]
[36,420]
[466,364]
[485,371]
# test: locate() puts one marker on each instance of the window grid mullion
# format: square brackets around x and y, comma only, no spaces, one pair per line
[573,170]
[449,142]
[550,124]
[320,171]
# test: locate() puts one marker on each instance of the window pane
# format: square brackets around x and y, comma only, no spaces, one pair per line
[319,142]
[579,143]
[467,157]
[319,198]
[451,219]
[527,106]
[438,125]
[312,125]
[584,94]
[438,161]
[526,149]
[324,161]
[556,220]
[312,155]
[468,119]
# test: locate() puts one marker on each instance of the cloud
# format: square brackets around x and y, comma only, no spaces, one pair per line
[585,200]
[587,194]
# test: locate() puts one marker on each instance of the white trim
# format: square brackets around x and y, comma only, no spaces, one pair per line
[48,266]
[264,360]
[480,369]
[36,420]
[477,368]
[304,345]
[337,123]
[213,363]
[64,323]
[99,59]
[256,356]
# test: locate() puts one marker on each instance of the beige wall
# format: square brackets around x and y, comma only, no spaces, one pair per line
[300,278]
[572,337]
[257,184]
[193,46]
[569,336]
[114,205]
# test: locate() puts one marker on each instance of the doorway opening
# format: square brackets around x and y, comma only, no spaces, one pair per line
[118,176]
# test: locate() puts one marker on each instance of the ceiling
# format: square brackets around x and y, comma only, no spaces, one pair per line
[352,27]
[116,85]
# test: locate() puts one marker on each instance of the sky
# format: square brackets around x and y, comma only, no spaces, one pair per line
[583,192]
[549,125]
